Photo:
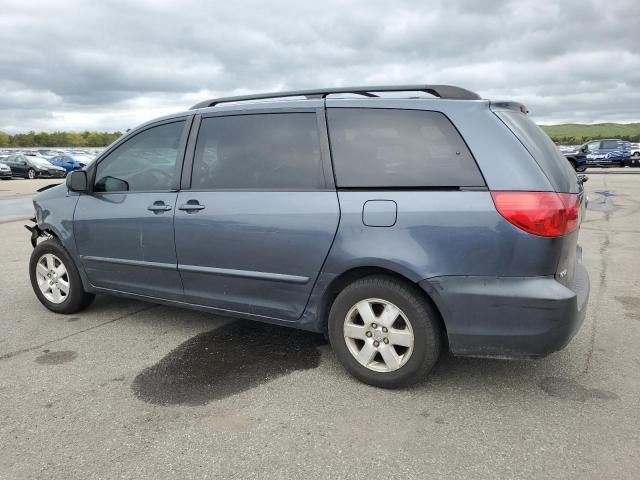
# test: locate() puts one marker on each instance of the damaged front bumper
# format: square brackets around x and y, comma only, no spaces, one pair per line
[36,232]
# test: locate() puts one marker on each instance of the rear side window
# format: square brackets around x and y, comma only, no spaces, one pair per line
[398,148]
[542,149]
[611,144]
[279,151]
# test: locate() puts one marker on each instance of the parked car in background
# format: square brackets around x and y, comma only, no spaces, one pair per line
[48,153]
[610,152]
[577,158]
[68,162]
[634,160]
[5,171]
[426,223]
[29,166]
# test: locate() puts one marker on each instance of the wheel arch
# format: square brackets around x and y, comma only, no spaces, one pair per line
[67,241]
[338,283]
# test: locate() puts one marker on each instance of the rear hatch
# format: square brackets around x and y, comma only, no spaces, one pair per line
[562,179]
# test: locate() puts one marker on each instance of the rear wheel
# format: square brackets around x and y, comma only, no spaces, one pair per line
[55,279]
[384,332]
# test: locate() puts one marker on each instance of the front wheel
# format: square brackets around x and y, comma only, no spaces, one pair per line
[384,332]
[55,279]
[31,173]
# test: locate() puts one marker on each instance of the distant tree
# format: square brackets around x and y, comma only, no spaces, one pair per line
[58,139]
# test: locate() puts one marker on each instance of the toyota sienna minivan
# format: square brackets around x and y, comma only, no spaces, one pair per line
[399,225]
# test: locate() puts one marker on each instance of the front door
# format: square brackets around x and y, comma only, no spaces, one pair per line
[255,227]
[124,227]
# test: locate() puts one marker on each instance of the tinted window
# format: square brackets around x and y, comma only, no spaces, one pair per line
[555,167]
[146,161]
[610,144]
[267,151]
[398,148]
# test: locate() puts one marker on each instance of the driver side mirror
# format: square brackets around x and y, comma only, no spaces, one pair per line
[77,181]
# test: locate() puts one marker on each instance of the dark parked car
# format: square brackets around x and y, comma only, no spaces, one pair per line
[396,226]
[577,159]
[32,167]
[5,171]
[609,152]
[68,162]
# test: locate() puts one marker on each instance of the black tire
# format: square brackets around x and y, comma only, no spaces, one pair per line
[581,169]
[77,299]
[31,174]
[424,320]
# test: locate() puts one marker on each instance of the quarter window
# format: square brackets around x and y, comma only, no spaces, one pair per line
[145,162]
[593,146]
[279,151]
[398,148]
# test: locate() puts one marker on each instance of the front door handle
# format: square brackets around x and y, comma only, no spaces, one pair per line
[159,206]
[191,206]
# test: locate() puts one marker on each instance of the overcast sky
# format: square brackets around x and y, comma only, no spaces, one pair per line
[112,64]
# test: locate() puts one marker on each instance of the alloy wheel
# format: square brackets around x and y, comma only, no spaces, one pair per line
[378,335]
[53,278]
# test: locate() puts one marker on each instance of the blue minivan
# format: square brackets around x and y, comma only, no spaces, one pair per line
[399,225]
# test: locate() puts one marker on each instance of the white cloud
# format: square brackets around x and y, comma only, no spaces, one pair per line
[112,64]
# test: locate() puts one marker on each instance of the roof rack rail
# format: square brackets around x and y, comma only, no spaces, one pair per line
[440,91]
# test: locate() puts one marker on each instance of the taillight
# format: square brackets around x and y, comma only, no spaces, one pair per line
[548,214]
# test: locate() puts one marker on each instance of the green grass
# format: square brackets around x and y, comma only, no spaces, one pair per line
[576,133]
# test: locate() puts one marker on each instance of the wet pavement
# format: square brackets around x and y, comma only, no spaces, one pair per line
[226,361]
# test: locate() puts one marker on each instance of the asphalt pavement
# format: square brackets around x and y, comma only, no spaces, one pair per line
[132,390]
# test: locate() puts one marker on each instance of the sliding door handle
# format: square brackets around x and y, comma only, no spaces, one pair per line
[191,206]
[159,206]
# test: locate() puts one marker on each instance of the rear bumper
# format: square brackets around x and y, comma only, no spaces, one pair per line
[516,317]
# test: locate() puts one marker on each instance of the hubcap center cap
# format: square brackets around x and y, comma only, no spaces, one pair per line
[377,335]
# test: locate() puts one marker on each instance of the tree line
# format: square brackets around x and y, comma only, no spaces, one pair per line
[576,134]
[58,139]
[579,140]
